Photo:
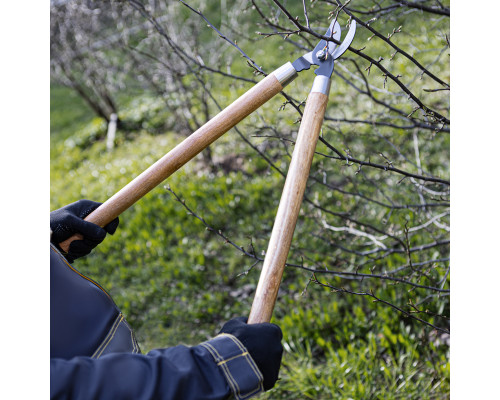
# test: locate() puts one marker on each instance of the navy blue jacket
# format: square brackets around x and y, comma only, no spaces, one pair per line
[94,354]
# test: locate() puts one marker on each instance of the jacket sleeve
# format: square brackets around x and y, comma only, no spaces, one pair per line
[217,369]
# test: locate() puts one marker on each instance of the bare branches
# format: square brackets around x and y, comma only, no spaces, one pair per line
[409,314]
[250,61]
[356,233]
[428,112]
[218,232]
[399,50]
[386,167]
[375,215]
[419,6]
[344,274]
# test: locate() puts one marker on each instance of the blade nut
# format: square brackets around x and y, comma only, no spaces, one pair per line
[322,54]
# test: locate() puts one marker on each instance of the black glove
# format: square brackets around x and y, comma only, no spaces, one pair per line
[263,342]
[68,220]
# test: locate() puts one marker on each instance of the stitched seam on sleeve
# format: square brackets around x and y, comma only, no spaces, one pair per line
[247,355]
[233,358]
[237,391]
[135,348]
[227,372]
[106,338]
[135,345]
[209,348]
[109,337]
[228,376]
[77,272]
[250,361]
[133,342]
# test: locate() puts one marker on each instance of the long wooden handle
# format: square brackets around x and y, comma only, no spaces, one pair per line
[190,147]
[289,207]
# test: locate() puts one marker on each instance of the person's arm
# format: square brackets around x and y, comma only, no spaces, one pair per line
[67,221]
[242,361]
[216,369]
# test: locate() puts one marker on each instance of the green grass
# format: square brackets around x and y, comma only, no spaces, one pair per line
[68,113]
[176,282]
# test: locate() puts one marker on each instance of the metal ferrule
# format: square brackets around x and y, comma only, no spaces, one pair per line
[285,74]
[321,84]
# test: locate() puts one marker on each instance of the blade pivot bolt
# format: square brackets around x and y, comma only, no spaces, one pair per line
[322,54]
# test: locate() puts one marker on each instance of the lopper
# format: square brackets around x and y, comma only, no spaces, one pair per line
[323,56]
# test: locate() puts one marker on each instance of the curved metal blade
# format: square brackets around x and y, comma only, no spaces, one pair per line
[326,65]
[310,58]
[347,41]
[335,28]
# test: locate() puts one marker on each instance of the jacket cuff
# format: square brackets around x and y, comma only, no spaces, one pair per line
[238,367]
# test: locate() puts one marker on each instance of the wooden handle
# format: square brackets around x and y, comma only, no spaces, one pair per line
[185,151]
[288,210]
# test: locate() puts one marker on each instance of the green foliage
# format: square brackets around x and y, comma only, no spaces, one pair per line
[68,112]
[171,277]
[177,282]
[337,350]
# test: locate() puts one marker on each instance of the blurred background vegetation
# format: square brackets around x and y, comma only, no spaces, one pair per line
[364,303]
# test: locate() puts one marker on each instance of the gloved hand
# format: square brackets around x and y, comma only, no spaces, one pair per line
[263,342]
[68,220]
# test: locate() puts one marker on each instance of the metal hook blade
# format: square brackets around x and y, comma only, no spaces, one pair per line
[347,41]
[310,58]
